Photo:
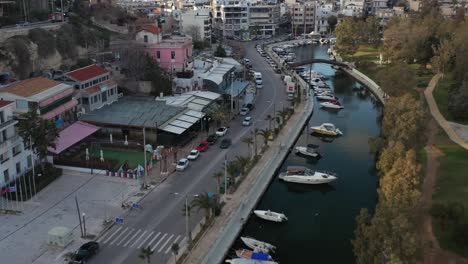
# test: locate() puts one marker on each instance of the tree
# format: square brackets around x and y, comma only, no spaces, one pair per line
[42,133]
[396,79]
[265,133]
[458,103]
[390,154]
[220,52]
[269,118]
[242,163]
[220,116]
[217,176]
[283,115]
[249,141]
[347,37]
[443,56]
[145,254]
[159,82]
[203,201]
[255,30]
[332,21]
[175,250]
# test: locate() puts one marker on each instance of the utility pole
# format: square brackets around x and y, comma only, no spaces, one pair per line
[225,175]
[232,94]
[144,154]
[24,9]
[79,215]
[187,226]
[61,10]
[33,163]
[84,224]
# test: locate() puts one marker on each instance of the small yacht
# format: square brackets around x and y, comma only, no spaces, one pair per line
[300,174]
[258,245]
[249,254]
[334,104]
[309,151]
[328,129]
[326,97]
[249,261]
[270,216]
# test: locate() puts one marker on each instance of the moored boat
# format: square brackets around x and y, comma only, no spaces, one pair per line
[258,245]
[300,174]
[310,150]
[249,261]
[327,129]
[271,216]
[326,97]
[249,254]
[335,104]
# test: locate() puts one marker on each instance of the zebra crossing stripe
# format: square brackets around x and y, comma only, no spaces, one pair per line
[142,242]
[117,237]
[138,239]
[123,238]
[165,243]
[134,235]
[113,234]
[153,248]
[170,246]
[154,238]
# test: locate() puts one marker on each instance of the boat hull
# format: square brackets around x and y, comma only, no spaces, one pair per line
[303,151]
[258,245]
[324,132]
[331,106]
[307,180]
[273,218]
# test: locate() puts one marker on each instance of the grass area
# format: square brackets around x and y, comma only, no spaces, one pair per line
[365,53]
[441,97]
[451,186]
[134,158]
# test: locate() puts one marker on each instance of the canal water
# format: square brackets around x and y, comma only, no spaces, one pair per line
[322,218]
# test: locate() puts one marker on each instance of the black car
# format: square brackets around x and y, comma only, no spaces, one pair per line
[225,143]
[85,252]
[211,139]
[249,106]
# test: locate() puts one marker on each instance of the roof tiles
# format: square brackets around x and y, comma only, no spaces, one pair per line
[86,73]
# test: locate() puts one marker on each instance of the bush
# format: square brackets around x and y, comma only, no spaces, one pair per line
[65,42]
[45,42]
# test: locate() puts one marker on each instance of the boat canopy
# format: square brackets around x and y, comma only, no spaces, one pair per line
[260,256]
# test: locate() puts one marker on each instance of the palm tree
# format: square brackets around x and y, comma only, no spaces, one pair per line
[254,134]
[175,250]
[283,114]
[265,133]
[145,254]
[218,176]
[220,116]
[242,163]
[232,169]
[203,201]
[249,141]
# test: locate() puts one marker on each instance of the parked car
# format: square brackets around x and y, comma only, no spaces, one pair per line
[182,164]
[203,146]
[225,143]
[250,106]
[221,131]
[244,111]
[211,139]
[193,155]
[247,121]
[85,252]
[290,96]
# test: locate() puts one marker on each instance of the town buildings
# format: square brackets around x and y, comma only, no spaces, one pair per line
[264,19]
[303,16]
[197,24]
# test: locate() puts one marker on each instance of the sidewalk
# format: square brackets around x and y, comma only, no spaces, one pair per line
[449,127]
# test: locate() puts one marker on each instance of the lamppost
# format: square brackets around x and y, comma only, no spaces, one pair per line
[187,215]
[232,93]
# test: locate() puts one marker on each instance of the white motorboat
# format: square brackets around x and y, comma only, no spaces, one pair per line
[270,216]
[249,254]
[326,97]
[332,105]
[310,150]
[258,245]
[300,174]
[249,261]
[328,129]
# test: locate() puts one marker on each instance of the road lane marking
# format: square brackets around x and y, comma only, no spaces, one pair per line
[154,238]
[170,246]
[139,230]
[123,238]
[165,243]
[117,237]
[142,242]
[115,232]
[158,242]
[138,239]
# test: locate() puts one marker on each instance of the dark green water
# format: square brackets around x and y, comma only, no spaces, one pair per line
[322,218]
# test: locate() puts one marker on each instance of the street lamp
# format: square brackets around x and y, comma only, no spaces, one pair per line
[187,216]
[84,224]
[232,93]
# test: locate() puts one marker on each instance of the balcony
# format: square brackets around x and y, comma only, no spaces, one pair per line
[7,123]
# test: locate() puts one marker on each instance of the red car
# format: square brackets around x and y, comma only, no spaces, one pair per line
[203,146]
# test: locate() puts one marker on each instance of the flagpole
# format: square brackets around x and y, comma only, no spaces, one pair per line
[21,190]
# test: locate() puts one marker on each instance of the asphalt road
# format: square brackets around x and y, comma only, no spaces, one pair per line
[161,222]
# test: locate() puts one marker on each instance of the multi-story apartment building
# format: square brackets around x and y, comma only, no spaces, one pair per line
[232,18]
[353,7]
[303,16]
[197,23]
[324,11]
[264,19]
[14,158]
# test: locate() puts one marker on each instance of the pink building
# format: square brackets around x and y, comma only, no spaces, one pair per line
[173,53]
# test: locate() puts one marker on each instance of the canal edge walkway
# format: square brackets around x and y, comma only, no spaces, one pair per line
[435,112]
[367,82]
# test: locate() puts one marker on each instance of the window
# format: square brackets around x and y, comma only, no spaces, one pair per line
[4,135]
[172,55]
[87,85]
[18,168]
[85,100]
[186,53]
[6,176]
[29,161]
[2,117]
[16,149]
[22,104]
[145,38]
[158,54]
[95,98]
[112,91]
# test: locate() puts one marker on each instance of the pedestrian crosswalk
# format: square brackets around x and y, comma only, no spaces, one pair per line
[127,237]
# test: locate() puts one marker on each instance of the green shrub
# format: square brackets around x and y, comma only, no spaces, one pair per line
[45,42]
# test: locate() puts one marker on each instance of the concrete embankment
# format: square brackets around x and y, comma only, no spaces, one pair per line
[367,82]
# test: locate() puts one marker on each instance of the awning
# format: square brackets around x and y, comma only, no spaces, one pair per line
[183,122]
[72,135]
[57,111]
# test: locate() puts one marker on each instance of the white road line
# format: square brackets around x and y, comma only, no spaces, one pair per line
[123,238]
[158,242]
[117,237]
[165,243]
[170,245]
[136,241]
[115,232]
[154,238]
[142,242]
[139,230]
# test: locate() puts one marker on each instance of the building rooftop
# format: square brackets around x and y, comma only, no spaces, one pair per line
[36,88]
[195,100]
[86,73]
[217,73]
[152,28]
[97,88]
[5,103]
[134,112]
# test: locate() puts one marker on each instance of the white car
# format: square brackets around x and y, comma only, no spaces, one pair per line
[182,164]
[193,154]
[247,121]
[221,131]
[244,111]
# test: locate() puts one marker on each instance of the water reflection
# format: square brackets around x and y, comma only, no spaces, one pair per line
[304,188]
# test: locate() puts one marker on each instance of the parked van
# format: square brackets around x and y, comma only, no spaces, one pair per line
[287,79]
[258,79]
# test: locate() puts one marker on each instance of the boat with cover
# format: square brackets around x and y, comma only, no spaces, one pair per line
[328,129]
[258,245]
[300,174]
[335,104]
[270,216]
[249,261]
[310,150]
[249,254]
[326,97]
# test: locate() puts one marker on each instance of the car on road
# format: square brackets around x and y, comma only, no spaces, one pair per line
[221,131]
[203,146]
[247,121]
[225,143]
[250,106]
[244,111]
[211,139]
[193,155]
[85,252]
[182,164]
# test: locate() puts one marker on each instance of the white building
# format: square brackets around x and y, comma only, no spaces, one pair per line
[324,11]
[303,18]
[15,160]
[352,7]
[197,23]
[377,5]
[264,18]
